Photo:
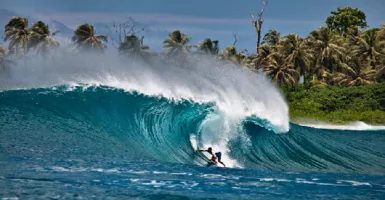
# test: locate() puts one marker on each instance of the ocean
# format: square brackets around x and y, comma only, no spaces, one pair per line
[109,129]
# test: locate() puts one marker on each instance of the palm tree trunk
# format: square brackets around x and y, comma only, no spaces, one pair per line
[306,79]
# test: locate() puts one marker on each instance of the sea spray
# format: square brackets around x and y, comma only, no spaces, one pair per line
[98,124]
[236,92]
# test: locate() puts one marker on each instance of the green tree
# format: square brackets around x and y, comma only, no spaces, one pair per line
[381,33]
[41,38]
[231,54]
[359,73]
[279,72]
[297,54]
[262,58]
[177,44]
[18,35]
[329,52]
[344,18]
[270,44]
[4,61]
[86,39]
[272,38]
[352,37]
[209,47]
[133,46]
[369,47]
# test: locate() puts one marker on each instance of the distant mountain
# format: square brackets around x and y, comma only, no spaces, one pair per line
[64,30]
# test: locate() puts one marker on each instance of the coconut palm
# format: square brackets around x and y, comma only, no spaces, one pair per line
[381,33]
[41,38]
[3,54]
[359,72]
[279,72]
[177,44]
[370,47]
[18,34]
[352,35]
[4,61]
[209,47]
[249,62]
[297,54]
[272,38]
[133,46]
[86,39]
[328,51]
[262,58]
[231,54]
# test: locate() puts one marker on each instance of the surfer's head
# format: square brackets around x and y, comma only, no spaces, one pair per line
[210,150]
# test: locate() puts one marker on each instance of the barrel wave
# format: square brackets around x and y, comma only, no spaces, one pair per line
[107,108]
[86,126]
[108,122]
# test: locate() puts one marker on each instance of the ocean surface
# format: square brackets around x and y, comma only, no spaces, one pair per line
[102,130]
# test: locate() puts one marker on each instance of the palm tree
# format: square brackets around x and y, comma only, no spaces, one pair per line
[86,39]
[328,51]
[297,54]
[41,38]
[177,44]
[18,34]
[352,35]
[4,61]
[209,47]
[370,47]
[231,54]
[133,46]
[262,58]
[272,38]
[279,72]
[381,33]
[381,38]
[359,72]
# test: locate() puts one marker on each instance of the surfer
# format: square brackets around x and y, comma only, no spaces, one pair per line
[214,157]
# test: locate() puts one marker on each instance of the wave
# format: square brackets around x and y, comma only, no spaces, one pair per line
[167,112]
[236,92]
[358,125]
[171,131]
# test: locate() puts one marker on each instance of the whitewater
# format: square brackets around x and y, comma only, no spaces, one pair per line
[102,126]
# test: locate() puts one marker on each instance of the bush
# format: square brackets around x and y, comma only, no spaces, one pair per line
[338,105]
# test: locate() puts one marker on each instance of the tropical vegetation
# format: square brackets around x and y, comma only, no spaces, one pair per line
[339,59]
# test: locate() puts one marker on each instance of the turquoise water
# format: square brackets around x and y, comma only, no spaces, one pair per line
[102,142]
[102,127]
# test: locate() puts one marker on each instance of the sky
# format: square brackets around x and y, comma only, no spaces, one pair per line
[216,19]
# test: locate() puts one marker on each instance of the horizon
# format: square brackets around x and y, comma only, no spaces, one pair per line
[196,21]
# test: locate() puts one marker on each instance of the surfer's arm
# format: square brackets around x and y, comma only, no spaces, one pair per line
[202,150]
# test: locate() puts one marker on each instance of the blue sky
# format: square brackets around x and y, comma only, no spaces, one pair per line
[217,19]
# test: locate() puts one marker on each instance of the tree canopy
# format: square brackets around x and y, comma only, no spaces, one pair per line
[344,18]
[341,54]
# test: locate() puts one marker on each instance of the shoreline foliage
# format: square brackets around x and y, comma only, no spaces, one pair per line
[333,74]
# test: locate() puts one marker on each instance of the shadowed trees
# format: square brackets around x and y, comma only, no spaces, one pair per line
[340,54]
[17,34]
[133,46]
[86,39]
[41,38]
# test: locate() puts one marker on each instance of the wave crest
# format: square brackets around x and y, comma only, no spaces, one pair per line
[236,92]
